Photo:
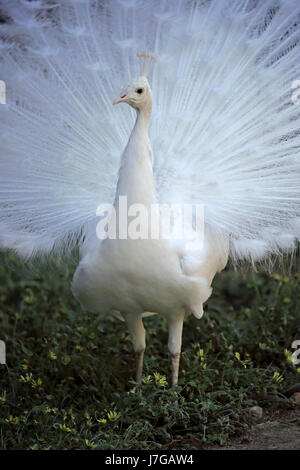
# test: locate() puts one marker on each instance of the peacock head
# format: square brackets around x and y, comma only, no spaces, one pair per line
[138,93]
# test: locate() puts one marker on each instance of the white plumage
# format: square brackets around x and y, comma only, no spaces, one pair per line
[224,133]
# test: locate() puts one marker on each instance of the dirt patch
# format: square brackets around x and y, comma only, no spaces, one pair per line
[277,430]
[281,432]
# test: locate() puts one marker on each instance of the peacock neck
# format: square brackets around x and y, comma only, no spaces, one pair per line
[136,180]
[142,121]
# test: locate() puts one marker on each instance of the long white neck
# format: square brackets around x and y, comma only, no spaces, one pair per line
[136,174]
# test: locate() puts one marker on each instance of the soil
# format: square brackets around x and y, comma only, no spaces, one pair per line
[282,433]
[276,430]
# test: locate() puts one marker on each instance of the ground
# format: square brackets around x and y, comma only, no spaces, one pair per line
[68,380]
[276,430]
[281,431]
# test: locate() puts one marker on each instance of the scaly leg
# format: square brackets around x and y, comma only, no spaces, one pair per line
[174,344]
[138,337]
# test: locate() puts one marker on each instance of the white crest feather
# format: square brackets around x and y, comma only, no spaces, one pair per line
[146,60]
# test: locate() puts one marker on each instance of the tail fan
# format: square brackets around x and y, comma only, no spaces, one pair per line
[225,129]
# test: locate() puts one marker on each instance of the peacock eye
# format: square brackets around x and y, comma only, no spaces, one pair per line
[139,91]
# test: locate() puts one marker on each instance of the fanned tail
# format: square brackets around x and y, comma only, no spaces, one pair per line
[225,129]
[234,122]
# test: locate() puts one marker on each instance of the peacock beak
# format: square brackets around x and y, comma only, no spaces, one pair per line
[122,98]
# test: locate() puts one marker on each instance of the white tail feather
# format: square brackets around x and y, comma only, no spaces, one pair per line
[225,129]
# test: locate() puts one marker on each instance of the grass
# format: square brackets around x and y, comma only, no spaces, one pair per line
[68,380]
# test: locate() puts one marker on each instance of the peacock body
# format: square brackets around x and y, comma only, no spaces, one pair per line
[224,134]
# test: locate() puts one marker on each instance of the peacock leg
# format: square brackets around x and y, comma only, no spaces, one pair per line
[139,366]
[174,344]
[138,337]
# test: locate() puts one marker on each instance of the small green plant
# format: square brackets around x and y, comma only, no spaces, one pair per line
[68,380]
